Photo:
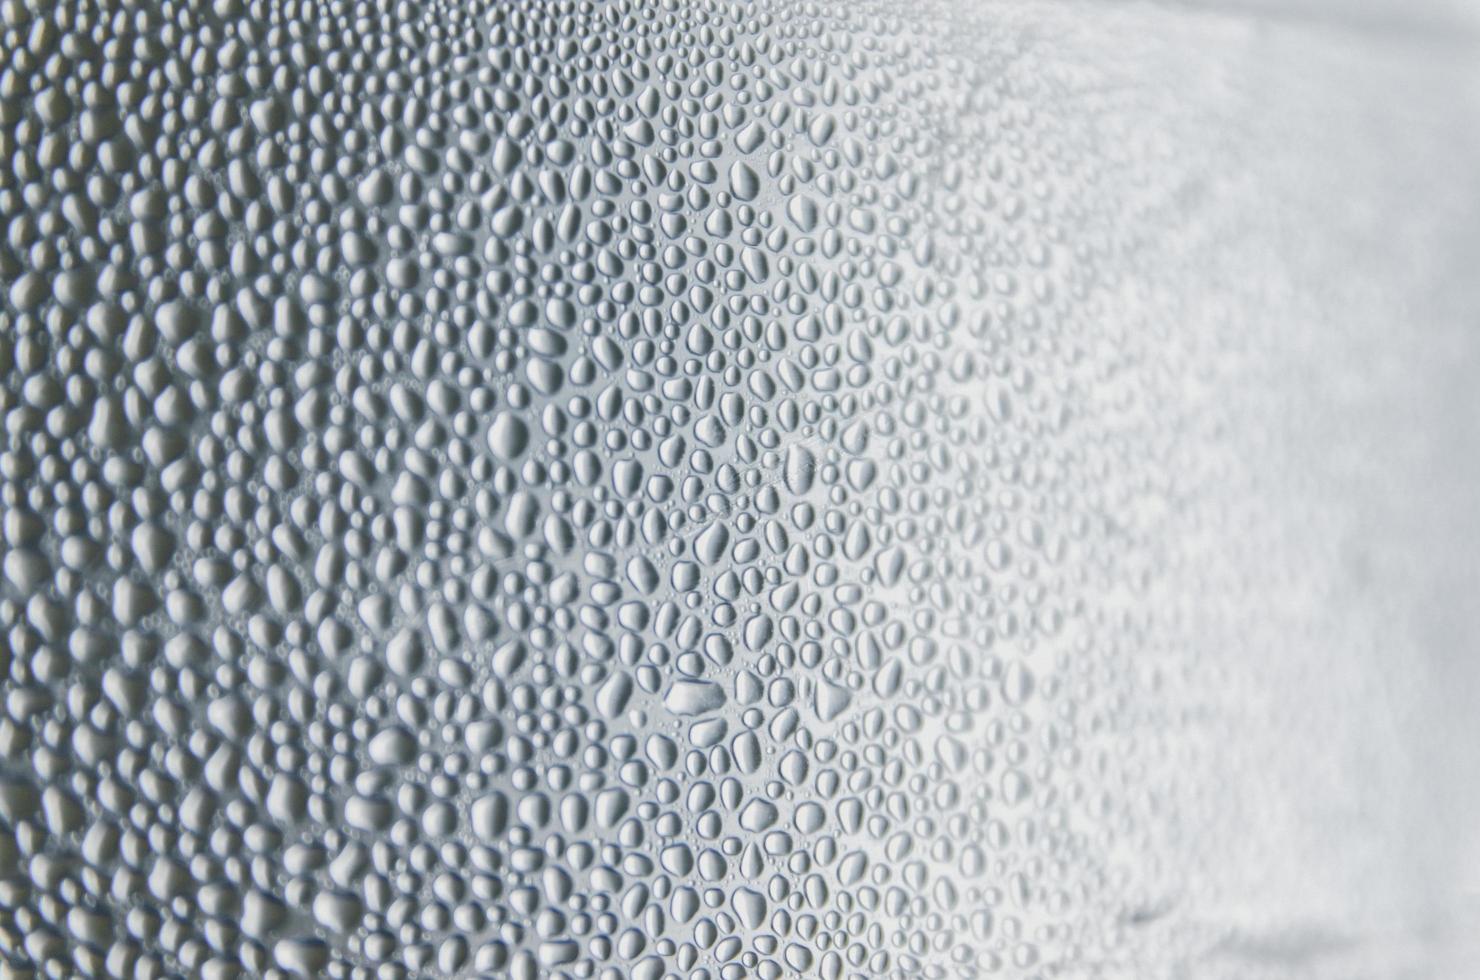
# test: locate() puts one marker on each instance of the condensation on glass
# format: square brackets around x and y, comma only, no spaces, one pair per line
[605,489]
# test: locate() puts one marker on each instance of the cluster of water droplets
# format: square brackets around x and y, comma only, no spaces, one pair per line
[578,489]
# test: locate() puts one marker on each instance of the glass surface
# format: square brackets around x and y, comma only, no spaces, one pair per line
[626,489]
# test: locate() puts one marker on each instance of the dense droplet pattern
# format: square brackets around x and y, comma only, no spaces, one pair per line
[599,489]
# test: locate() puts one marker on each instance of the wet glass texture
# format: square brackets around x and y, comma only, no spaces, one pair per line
[602,489]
